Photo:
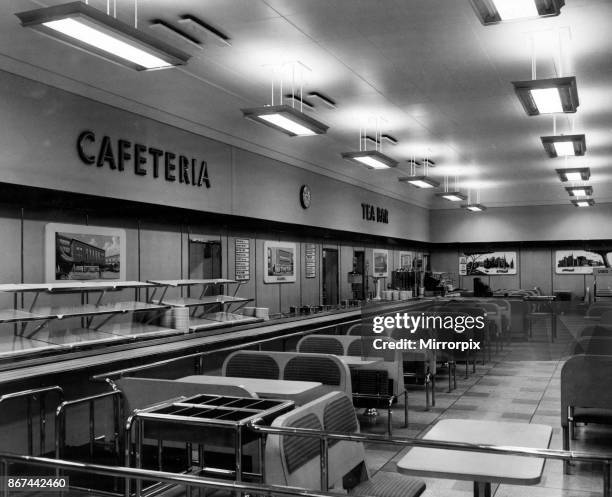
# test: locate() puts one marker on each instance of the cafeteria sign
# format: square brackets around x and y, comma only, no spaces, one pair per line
[120,154]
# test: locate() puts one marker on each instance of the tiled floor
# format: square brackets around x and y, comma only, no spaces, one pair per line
[520,384]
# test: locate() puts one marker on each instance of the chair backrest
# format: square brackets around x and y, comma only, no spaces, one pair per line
[585,382]
[324,368]
[593,346]
[295,461]
[247,364]
[595,330]
[139,393]
[597,310]
[321,344]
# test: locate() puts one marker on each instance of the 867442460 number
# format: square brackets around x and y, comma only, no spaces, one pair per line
[26,483]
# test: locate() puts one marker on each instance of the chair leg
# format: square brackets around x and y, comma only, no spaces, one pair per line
[405,408]
[454,375]
[427,385]
[389,420]
[566,446]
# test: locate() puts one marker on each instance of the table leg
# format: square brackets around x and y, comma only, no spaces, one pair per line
[482,489]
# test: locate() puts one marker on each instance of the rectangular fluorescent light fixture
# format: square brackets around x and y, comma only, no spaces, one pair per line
[452,196]
[391,139]
[579,191]
[420,181]
[547,96]
[574,174]
[373,159]
[206,30]
[474,207]
[496,11]
[564,145]
[586,202]
[323,98]
[92,31]
[286,119]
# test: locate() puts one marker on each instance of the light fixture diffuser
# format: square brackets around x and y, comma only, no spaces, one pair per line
[564,145]
[286,119]
[574,174]
[496,11]
[420,181]
[546,96]
[585,202]
[474,207]
[579,191]
[452,196]
[91,30]
[373,159]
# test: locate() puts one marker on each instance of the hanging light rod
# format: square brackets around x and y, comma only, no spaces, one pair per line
[419,181]
[452,196]
[496,11]
[474,207]
[579,191]
[548,96]
[298,100]
[286,119]
[574,174]
[92,31]
[563,145]
[585,202]
[373,159]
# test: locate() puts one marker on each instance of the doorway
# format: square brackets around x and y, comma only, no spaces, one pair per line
[330,277]
[358,286]
[205,260]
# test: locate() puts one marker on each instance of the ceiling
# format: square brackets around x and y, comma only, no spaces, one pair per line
[436,79]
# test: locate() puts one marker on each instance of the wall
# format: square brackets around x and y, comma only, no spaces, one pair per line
[517,224]
[39,149]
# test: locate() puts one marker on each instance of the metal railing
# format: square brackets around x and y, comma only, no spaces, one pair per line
[143,474]
[325,436]
[199,356]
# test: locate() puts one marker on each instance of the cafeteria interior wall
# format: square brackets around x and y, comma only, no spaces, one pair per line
[45,124]
[517,224]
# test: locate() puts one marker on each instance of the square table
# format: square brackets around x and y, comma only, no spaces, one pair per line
[356,361]
[481,467]
[266,388]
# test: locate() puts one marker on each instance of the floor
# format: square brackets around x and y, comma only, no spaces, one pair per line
[520,384]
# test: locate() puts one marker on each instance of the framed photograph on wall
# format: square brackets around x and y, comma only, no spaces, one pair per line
[380,263]
[77,252]
[487,263]
[279,262]
[579,261]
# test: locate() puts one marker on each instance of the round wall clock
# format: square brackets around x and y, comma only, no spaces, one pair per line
[305,196]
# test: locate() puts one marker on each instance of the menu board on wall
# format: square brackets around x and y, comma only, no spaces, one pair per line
[310,254]
[487,263]
[242,258]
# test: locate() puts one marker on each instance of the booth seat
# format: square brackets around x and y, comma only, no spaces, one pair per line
[296,460]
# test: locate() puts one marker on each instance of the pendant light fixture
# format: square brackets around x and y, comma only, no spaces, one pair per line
[564,145]
[372,159]
[474,206]
[288,119]
[585,202]
[452,196]
[496,11]
[423,181]
[91,30]
[579,191]
[574,174]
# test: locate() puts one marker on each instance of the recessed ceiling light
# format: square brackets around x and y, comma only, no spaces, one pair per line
[574,174]
[373,159]
[91,30]
[564,145]
[579,191]
[495,11]
[586,202]
[546,96]
[452,196]
[474,207]
[419,181]
[286,119]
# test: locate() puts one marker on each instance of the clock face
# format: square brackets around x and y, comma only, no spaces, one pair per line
[305,196]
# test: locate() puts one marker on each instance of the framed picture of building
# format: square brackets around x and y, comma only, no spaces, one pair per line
[487,263]
[579,261]
[77,252]
[380,263]
[405,260]
[279,262]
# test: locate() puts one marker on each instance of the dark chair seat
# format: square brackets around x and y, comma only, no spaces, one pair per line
[385,484]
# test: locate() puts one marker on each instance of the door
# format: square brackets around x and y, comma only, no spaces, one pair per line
[205,261]
[358,287]
[330,277]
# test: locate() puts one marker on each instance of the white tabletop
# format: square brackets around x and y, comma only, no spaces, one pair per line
[356,361]
[480,466]
[260,386]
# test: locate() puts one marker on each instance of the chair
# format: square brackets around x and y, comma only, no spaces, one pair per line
[593,345]
[296,461]
[586,396]
[246,364]
[321,344]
